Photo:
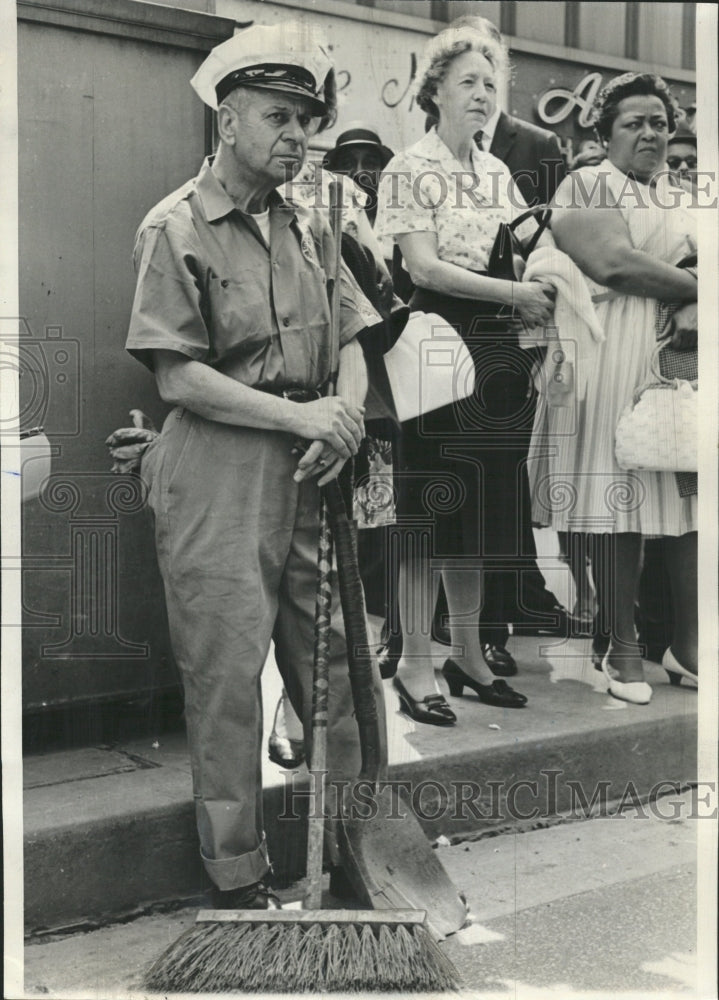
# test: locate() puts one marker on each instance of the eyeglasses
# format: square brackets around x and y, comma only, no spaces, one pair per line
[674,162]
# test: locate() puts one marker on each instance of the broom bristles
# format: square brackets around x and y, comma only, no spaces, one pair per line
[302,958]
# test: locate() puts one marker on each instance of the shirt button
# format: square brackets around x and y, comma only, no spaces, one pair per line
[286,321]
[225,283]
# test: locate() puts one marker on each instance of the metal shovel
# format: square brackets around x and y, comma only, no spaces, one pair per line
[386,854]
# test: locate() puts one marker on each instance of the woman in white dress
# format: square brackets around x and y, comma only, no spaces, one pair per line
[626,226]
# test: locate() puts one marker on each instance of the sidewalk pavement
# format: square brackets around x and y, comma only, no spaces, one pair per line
[109,832]
[559,912]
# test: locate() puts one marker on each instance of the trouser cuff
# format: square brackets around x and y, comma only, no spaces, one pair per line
[235,873]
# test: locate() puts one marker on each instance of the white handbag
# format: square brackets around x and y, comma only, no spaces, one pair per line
[429,366]
[657,432]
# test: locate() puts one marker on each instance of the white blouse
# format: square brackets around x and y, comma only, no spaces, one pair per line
[426,190]
[671,235]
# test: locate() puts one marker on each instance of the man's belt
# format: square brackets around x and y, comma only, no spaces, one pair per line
[293,393]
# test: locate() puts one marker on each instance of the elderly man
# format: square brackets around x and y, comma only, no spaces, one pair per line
[231,313]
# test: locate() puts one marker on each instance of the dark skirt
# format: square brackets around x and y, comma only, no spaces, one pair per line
[462,468]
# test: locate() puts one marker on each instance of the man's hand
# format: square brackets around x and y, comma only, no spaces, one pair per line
[332,420]
[682,327]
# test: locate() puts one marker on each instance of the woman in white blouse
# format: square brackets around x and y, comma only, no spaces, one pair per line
[442,201]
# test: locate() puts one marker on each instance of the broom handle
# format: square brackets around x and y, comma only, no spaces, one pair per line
[350,584]
[336,227]
[323,605]
[320,689]
[359,659]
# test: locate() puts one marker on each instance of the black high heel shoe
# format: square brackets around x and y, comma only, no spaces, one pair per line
[498,693]
[388,655]
[676,671]
[432,709]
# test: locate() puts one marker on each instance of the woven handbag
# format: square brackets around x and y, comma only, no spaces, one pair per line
[657,431]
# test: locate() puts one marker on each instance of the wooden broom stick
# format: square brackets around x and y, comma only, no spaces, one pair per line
[323,606]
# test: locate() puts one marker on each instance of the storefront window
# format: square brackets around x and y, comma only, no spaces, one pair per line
[438,10]
[417,8]
[462,8]
[660,33]
[542,22]
[602,27]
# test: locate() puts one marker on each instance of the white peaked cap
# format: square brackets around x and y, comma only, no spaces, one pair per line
[290,57]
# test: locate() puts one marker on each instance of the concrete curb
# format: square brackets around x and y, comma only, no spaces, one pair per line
[109,848]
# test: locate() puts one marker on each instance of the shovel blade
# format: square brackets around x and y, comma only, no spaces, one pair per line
[392,865]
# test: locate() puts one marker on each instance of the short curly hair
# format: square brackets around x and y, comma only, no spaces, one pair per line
[441,51]
[606,106]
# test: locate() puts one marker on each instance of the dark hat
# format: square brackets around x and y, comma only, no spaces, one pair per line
[357,134]
[287,57]
[683,134]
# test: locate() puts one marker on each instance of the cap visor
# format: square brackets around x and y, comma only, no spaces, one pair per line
[316,106]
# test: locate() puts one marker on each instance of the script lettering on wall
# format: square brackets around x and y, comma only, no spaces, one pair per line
[392,93]
[557,104]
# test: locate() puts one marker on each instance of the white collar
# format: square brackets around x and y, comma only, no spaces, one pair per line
[432,147]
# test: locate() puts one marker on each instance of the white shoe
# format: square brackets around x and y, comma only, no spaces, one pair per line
[636,692]
[675,670]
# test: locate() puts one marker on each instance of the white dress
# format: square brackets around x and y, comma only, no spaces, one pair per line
[575,482]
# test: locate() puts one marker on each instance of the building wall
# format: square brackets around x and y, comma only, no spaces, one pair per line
[375,47]
[662,34]
[98,148]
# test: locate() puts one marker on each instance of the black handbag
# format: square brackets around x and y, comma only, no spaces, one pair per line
[507,244]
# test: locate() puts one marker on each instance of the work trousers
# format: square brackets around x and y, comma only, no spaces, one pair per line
[237,548]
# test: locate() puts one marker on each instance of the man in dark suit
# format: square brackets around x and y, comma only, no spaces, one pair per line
[531,153]
[535,161]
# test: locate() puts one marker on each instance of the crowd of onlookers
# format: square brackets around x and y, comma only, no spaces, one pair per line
[526,447]
[559,319]
[534,431]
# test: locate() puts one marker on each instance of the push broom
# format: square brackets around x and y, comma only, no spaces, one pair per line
[313,950]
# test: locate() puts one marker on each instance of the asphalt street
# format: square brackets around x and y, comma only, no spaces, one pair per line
[604,906]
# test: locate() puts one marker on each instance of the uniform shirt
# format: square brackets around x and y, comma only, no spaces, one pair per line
[210,288]
[426,190]
[311,189]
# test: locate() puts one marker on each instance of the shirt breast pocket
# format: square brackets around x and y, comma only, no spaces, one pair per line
[240,312]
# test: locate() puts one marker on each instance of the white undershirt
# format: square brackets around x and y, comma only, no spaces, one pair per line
[263,224]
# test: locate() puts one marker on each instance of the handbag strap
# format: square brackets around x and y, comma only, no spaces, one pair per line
[659,379]
[542,215]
